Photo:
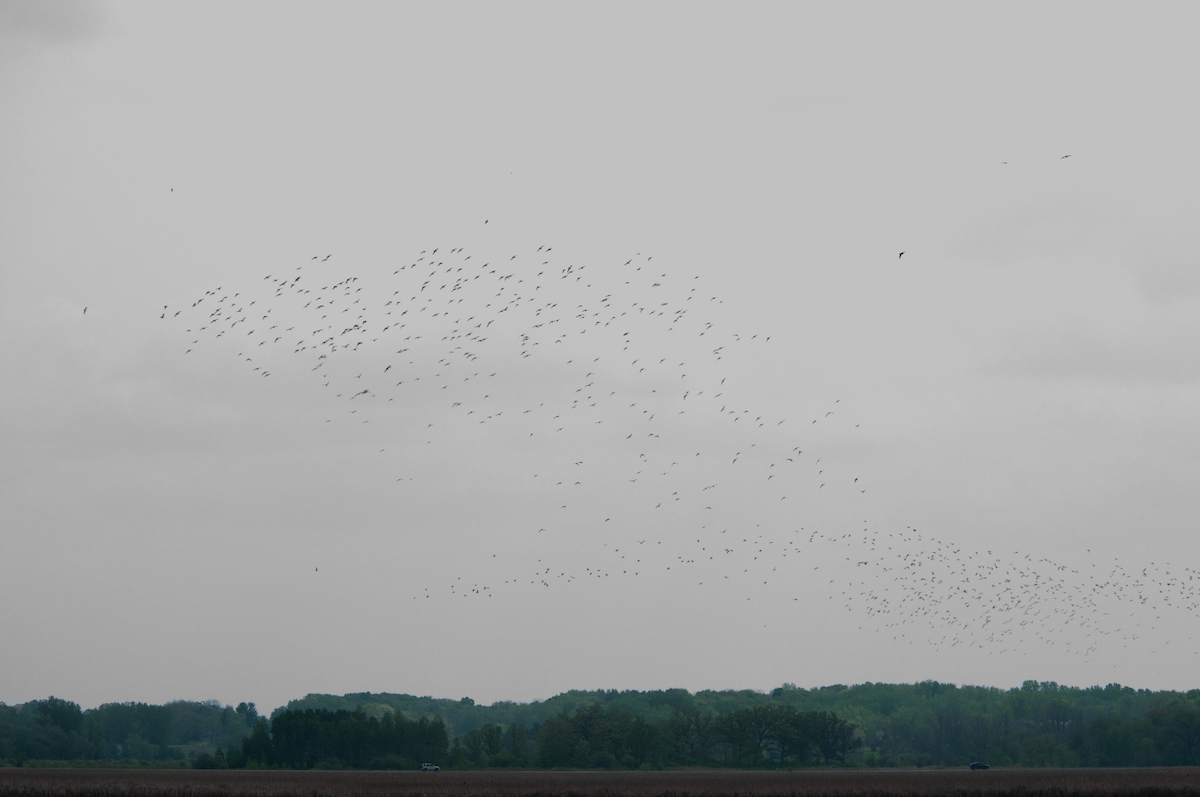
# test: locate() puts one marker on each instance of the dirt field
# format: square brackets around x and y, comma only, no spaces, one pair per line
[869,783]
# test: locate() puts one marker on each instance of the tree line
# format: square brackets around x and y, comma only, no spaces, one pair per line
[1039,724]
[323,739]
[762,735]
[57,729]
[591,737]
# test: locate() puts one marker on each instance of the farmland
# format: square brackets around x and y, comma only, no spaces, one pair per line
[702,783]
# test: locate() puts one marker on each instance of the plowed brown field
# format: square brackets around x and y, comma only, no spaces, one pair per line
[865,783]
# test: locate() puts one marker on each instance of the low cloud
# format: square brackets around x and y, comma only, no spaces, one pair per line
[1167,355]
[62,20]
[1158,244]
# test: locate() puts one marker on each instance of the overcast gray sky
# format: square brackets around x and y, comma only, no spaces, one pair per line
[1010,405]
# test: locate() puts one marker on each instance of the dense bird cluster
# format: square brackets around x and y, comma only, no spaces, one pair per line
[604,396]
[999,601]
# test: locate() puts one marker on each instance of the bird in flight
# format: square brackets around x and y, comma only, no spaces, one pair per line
[901,255]
[1064,157]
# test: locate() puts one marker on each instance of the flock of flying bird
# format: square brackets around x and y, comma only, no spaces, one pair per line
[602,397]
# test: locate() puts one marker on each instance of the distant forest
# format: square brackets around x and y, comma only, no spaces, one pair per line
[57,730]
[1040,724]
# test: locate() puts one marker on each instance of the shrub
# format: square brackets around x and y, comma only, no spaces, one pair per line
[204,761]
[604,760]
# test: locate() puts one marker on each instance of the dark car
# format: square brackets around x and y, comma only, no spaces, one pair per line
[979,765]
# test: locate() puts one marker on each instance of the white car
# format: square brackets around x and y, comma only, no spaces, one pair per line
[430,768]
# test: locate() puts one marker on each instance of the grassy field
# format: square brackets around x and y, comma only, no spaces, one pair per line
[868,783]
